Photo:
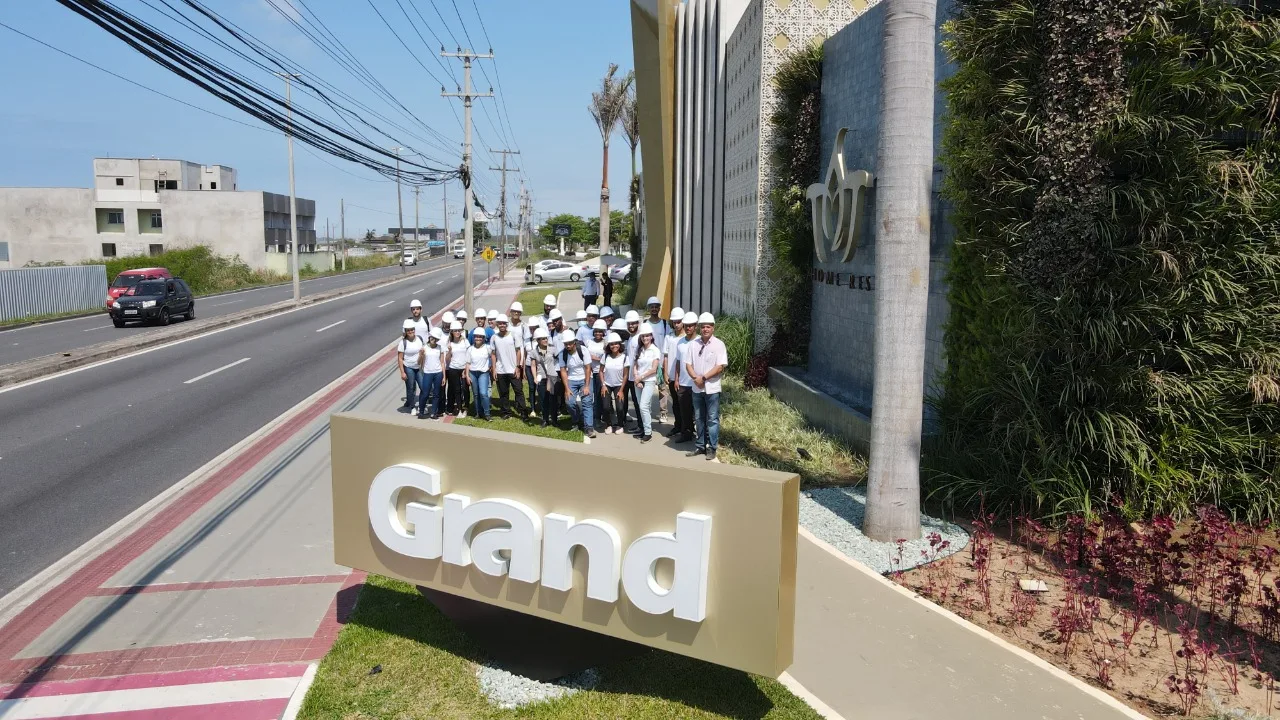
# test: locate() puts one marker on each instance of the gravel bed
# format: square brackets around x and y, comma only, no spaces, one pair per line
[835,514]
[507,690]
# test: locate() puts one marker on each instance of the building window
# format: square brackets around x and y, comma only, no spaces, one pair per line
[4,252]
[155,249]
[108,250]
[119,181]
[213,186]
[156,221]
[115,217]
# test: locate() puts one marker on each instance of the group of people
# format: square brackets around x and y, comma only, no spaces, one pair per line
[606,372]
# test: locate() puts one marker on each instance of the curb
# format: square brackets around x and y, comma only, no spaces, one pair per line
[50,364]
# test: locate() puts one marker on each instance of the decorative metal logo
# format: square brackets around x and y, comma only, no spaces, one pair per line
[839,205]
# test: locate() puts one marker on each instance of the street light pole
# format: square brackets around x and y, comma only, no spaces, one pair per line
[417,244]
[399,211]
[293,197]
[468,223]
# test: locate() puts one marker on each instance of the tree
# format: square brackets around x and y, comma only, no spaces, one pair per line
[606,108]
[903,194]
[631,133]
[368,236]
[583,232]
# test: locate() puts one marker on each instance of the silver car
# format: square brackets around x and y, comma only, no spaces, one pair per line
[551,271]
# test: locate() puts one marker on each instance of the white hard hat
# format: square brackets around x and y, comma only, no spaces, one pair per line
[653,300]
[415,303]
[593,310]
[493,314]
[645,329]
[568,337]
[580,315]
[600,325]
[480,313]
[435,333]
[462,315]
[690,318]
[633,316]
[455,325]
[409,324]
[613,338]
[502,318]
[619,324]
[549,300]
[448,318]
[706,319]
[540,333]
[555,315]
[677,315]
[606,312]
[516,307]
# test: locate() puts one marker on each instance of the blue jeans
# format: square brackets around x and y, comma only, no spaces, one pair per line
[546,402]
[412,379]
[431,383]
[646,406]
[480,388]
[581,409]
[706,421]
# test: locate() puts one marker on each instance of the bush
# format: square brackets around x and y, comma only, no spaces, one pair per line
[739,337]
[202,269]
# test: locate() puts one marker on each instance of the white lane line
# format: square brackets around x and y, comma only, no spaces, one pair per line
[440,283]
[326,327]
[232,302]
[386,303]
[138,700]
[100,327]
[415,292]
[214,372]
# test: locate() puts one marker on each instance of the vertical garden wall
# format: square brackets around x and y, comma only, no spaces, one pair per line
[1115,326]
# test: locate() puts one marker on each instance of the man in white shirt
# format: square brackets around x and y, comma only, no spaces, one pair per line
[508,357]
[684,383]
[632,346]
[708,359]
[671,371]
[590,288]
[420,327]
[523,330]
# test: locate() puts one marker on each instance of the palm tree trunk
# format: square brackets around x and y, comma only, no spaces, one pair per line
[633,201]
[903,194]
[604,204]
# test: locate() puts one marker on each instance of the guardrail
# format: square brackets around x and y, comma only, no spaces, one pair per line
[29,292]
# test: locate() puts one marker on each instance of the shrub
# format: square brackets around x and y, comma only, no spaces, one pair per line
[738,335]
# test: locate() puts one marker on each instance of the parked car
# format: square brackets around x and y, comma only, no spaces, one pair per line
[553,270]
[620,272]
[409,257]
[128,279]
[154,301]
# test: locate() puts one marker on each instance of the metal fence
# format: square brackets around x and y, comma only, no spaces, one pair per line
[28,292]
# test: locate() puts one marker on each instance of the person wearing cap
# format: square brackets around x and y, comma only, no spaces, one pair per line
[543,369]
[684,382]
[508,356]
[708,358]
[606,287]
[590,288]
[432,377]
[671,372]
[480,372]
[575,365]
[455,369]
[409,360]
[419,323]
[647,364]
[613,375]
[595,346]
[633,347]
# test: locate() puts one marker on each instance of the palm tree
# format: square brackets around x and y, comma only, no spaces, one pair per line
[903,193]
[606,107]
[631,133]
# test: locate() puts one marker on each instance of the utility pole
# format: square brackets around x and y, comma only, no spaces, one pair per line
[502,209]
[293,197]
[520,226]
[342,218]
[399,211]
[468,227]
[448,241]
[417,244]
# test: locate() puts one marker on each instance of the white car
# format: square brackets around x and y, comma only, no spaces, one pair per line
[409,257]
[549,270]
[620,272]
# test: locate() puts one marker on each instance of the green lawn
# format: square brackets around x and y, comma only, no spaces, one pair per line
[531,297]
[428,671]
[562,431]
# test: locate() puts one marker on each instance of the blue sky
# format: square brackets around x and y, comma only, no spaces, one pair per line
[58,113]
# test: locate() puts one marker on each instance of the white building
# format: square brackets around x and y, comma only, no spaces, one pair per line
[144,207]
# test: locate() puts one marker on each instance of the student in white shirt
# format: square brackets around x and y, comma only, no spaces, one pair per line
[455,371]
[432,376]
[670,371]
[419,323]
[409,359]
[662,333]
[684,383]
[613,375]
[544,368]
[480,372]
[632,340]
[647,364]
[508,357]
[575,365]
[708,359]
[595,346]
[556,331]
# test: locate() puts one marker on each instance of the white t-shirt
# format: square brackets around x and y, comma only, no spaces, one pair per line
[597,352]
[411,349]
[458,354]
[648,358]
[505,350]
[672,351]
[556,343]
[575,363]
[682,351]
[584,333]
[422,327]
[434,359]
[633,342]
[613,367]
[478,358]
[660,332]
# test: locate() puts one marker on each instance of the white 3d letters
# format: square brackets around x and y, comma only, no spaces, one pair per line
[604,555]
[384,496]
[688,549]
[521,539]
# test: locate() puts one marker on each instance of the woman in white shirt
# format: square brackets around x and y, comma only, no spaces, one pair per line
[455,359]
[409,360]
[646,361]
[432,376]
[613,375]
[480,372]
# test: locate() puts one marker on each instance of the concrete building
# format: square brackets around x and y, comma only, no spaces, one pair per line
[144,207]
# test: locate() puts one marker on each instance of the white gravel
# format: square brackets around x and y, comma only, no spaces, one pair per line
[508,691]
[834,515]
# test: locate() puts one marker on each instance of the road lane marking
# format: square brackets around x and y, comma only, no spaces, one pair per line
[440,283]
[233,302]
[100,327]
[415,292]
[326,327]
[386,303]
[215,372]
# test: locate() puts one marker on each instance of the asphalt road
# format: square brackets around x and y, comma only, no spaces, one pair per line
[48,338]
[82,450]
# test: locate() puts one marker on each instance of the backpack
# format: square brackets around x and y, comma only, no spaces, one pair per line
[564,356]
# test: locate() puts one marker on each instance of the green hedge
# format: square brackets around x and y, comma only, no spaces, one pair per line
[1115,309]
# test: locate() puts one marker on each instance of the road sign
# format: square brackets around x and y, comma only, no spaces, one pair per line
[488,254]
[562,229]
